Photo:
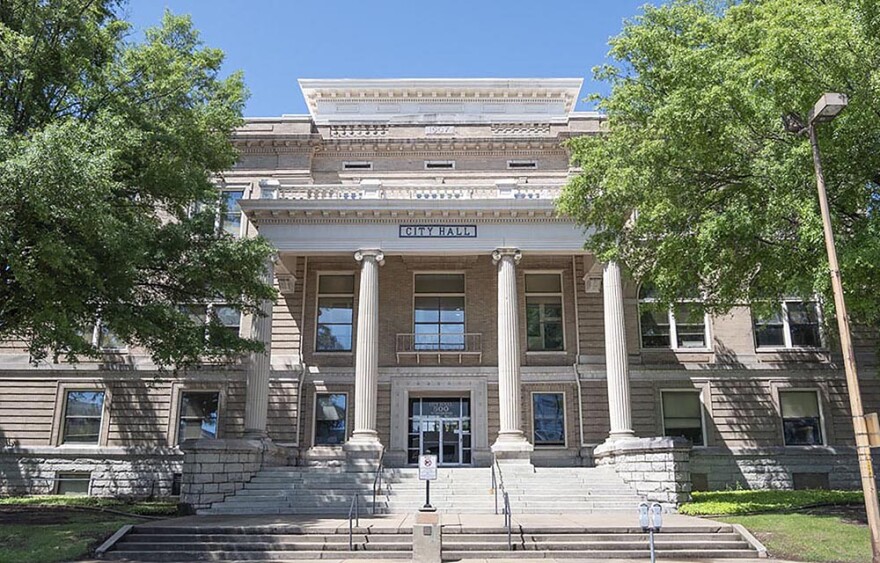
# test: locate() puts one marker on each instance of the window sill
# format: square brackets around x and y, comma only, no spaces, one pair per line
[549,448]
[792,350]
[349,353]
[546,352]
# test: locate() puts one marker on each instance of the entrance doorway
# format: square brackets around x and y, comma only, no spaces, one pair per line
[441,427]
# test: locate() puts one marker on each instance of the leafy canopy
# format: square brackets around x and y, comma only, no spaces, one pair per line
[108,208]
[696,184]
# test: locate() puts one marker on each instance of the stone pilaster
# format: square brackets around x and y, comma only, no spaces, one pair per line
[257,403]
[616,360]
[511,442]
[366,362]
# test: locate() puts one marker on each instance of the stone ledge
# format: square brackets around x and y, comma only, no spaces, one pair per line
[630,446]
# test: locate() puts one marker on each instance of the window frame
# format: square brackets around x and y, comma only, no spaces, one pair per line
[673,330]
[357,165]
[535,444]
[439,165]
[178,388]
[315,417]
[353,295]
[561,296]
[694,391]
[823,427]
[64,416]
[209,311]
[95,340]
[221,214]
[786,328]
[57,482]
[59,414]
[463,296]
[522,164]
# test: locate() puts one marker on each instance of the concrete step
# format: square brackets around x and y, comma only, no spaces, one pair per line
[187,556]
[258,538]
[236,546]
[599,554]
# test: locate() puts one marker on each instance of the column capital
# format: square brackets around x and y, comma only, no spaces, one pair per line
[370,253]
[499,253]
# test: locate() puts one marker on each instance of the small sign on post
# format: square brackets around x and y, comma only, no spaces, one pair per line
[427,473]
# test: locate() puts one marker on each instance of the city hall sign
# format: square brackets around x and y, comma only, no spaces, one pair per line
[437,231]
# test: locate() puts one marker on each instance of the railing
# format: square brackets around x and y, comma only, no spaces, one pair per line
[418,345]
[377,480]
[376,190]
[507,520]
[355,507]
[505,497]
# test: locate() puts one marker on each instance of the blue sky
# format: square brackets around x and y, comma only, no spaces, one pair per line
[276,42]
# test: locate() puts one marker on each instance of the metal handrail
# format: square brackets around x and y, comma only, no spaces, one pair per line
[377,480]
[496,484]
[355,507]
[507,519]
[495,487]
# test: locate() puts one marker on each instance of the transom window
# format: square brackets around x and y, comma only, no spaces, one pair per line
[83,412]
[681,327]
[438,320]
[198,415]
[335,314]
[230,214]
[544,325]
[330,418]
[683,415]
[548,416]
[801,418]
[794,324]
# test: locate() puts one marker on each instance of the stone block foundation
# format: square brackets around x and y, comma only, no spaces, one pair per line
[657,468]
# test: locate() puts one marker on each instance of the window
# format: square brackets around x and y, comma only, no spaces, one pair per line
[683,415]
[794,324]
[73,483]
[228,317]
[548,413]
[198,415]
[439,165]
[360,165]
[335,313]
[544,328]
[521,164]
[100,336]
[801,418]
[439,312]
[330,411]
[682,327]
[230,213]
[83,412]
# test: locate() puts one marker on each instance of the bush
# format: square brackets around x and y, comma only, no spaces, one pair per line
[717,503]
[143,508]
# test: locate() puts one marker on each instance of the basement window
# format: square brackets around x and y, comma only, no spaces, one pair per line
[73,483]
[522,164]
[358,165]
[439,165]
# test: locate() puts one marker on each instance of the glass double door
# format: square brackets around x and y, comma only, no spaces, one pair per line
[440,427]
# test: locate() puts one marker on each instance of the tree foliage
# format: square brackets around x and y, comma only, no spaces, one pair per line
[108,155]
[696,183]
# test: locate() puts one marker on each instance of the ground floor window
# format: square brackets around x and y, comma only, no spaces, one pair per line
[801,418]
[683,415]
[83,411]
[73,483]
[441,427]
[548,416]
[330,417]
[198,415]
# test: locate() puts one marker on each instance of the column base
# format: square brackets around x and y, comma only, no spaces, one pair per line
[362,452]
[512,446]
[618,436]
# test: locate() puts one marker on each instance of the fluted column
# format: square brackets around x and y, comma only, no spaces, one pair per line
[511,442]
[366,361]
[257,401]
[616,360]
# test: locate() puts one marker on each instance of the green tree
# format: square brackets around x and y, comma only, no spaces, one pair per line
[108,156]
[696,183]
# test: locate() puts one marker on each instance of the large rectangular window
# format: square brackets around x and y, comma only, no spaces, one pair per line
[438,320]
[681,327]
[230,214]
[544,325]
[794,324]
[548,416]
[330,417]
[335,313]
[683,415]
[801,418]
[198,415]
[83,412]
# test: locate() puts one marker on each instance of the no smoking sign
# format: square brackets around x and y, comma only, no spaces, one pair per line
[427,467]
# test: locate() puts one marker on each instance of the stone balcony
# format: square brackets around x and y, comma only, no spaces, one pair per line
[373,189]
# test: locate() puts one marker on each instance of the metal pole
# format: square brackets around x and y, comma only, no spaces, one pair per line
[427,493]
[863,448]
[651,543]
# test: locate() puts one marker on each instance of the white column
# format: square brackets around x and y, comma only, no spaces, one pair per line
[616,360]
[366,361]
[257,401]
[511,442]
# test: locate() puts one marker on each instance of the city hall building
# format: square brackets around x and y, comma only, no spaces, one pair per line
[433,301]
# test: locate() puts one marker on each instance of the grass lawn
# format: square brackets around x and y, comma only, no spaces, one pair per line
[716,503]
[809,537]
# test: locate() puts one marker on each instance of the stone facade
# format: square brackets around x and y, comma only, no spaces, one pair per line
[657,468]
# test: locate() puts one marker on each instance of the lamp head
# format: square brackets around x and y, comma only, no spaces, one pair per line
[828,106]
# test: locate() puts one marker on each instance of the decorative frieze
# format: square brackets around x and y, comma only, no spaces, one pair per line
[358,130]
[521,129]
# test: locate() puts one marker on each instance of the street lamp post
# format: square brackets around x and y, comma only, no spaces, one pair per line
[828,106]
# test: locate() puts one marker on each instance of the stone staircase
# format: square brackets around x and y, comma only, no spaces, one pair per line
[329,491]
[219,542]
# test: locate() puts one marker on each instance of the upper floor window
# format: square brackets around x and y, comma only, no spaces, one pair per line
[439,165]
[683,415]
[357,165]
[230,214]
[438,320]
[521,164]
[199,412]
[793,324]
[229,317]
[333,329]
[544,327]
[681,327]
[83,413]
[801,418]
[100,336]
